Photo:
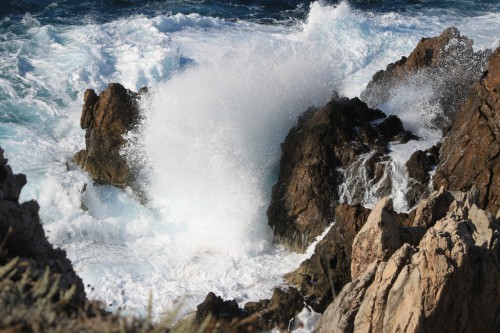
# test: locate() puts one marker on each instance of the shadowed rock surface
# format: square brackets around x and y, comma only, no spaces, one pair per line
[450,283]
[22,235]
[338,135]
[447,63]
[470,152]
[330,265]
[418,166]
[106,119]
[265,315]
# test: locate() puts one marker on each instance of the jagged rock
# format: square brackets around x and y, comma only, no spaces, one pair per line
[337,135]
[418,166]
[330,265]
[218,308]
[448,63]
[283,307]
[377,239]
[22,235]
[106,119]
[470,152]
[450,283]
[265,315]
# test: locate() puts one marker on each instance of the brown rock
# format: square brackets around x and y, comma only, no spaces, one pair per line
[418,166]
[304,198]
[470,152]
[22,236]
[377,239]
[218,308]
[106,118]
[447,62]
[330,265]
[450,284]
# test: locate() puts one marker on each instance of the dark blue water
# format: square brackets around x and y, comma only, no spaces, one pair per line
[262,11]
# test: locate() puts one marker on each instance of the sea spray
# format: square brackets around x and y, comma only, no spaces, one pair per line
[223,95]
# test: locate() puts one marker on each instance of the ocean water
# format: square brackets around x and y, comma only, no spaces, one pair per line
[227,82]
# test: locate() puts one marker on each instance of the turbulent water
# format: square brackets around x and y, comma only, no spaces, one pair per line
[227,82]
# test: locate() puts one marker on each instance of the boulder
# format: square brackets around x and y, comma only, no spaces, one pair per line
[470,153]
[447,63]
[106,119]
[326,141]
[323,275]
[22,236]
[450,283]
[418,167]
[265,315]
[377,239]
[218,308]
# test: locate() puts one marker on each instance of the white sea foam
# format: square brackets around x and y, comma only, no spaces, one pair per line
[223,96]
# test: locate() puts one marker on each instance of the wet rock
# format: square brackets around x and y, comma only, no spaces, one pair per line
[106,119]
[281,310]
[22,235]
[447,63]
[218,308]
[329,268]
[470,152]
[336,137]
[418,167]
[450,283]
[377,239]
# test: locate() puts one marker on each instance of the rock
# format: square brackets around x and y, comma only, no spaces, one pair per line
[338,135]
[22,236]
[265,315]
[450,283]
[282,309]
[447,63]
[377,239]
[470,153]
[330,265]
[418,167]
[218,308]
[106,119]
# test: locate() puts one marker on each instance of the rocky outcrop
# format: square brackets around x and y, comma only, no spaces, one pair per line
[418,167]
[470,152]
[323,275]
[447,63]
[106,119]
[449,283]
[338,135]
[377,239]
[265,315]
[218,308]
[22,236]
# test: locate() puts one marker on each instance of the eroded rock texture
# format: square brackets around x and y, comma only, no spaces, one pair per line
[106,119]
[449,283]
[446,63]
[470,152]
[339,135]
[22,235]
[329,268]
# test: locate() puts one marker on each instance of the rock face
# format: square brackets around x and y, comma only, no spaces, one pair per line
[264,315]
[106,118]
[377,239]
[450,283]
[447,63]
[330,265]
[218,308]
[336,136]
[418,166]
[22,235]
[470,152]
